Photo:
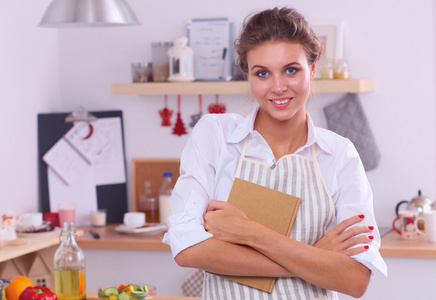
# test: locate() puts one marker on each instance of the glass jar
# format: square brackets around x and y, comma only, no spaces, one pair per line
[149,204]
[69,265]
[342,70]
[160,60]
[327,68]
[141,72]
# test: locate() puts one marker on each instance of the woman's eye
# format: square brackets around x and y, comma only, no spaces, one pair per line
[291,71]
[262,73]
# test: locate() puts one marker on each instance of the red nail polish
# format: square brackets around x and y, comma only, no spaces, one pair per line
[366,247]
[371,227]
[361,216]
[371,237]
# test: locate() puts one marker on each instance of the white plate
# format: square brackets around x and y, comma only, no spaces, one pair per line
[38,234]
[149,228]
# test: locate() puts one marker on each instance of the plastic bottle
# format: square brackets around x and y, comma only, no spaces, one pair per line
[164,197]
[69,265]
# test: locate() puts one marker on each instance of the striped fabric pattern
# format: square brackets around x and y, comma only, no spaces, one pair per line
[300,177]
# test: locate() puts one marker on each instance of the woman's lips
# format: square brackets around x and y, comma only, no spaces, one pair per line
[280,102]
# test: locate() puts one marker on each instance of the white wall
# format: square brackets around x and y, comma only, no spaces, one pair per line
[29,84]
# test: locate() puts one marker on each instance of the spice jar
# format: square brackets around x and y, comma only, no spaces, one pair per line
[141,72]
[327,68]
[342,70]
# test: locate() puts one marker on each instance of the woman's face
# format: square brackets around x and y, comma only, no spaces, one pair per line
[280,76]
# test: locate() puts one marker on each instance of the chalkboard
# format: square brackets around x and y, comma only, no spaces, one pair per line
[212,42]
[51,128]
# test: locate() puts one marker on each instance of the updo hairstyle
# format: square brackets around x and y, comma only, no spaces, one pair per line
[275,25]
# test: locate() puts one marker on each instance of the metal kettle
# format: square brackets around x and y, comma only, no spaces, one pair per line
[419,203]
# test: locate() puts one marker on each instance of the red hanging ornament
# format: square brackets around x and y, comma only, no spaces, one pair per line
[166,114]
[196,117]
[217,108]
[179,127]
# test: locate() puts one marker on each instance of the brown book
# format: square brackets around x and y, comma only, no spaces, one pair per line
[274,209]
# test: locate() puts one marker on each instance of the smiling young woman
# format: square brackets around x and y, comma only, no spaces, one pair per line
[334,242]
[280,76]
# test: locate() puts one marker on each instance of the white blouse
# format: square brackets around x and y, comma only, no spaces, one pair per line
[208,166]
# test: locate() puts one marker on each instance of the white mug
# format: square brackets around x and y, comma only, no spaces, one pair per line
[134,219]
[98,218]
[429,218]
[30,219]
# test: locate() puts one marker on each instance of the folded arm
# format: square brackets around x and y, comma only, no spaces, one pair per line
[326,264]
[221,257]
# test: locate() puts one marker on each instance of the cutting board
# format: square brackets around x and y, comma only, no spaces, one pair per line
[17,242]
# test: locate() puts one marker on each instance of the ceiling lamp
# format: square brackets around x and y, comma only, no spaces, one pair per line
[88,13]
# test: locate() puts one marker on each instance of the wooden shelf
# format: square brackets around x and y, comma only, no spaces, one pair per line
[232,87]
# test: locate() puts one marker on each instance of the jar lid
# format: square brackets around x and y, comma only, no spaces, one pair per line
[155,44]
[167,174]
[141,64]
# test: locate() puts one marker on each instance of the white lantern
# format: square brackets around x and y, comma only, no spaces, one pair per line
[181,60]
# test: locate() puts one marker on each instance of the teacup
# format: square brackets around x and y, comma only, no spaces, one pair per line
[30,219]
[134,219]
[429,218]
[407,220]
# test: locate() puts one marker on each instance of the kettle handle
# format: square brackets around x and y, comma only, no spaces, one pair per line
[398,206]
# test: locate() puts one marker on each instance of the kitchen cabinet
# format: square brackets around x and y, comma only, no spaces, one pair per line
[233,87]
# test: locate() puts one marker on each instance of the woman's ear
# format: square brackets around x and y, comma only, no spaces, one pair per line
[312,70]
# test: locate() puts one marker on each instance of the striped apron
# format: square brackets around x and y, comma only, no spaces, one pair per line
[301,177]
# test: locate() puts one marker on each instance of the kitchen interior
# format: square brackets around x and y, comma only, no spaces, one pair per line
[388,45]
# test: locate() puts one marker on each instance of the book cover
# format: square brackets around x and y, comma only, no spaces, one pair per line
[271,208]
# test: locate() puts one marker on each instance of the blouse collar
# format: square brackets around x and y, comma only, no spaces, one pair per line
[244,128]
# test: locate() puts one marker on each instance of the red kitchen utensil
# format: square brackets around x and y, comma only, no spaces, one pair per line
[179,129]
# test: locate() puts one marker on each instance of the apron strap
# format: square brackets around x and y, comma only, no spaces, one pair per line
[318,170]
[244,149]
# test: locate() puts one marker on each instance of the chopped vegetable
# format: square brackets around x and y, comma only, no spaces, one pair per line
[126,292]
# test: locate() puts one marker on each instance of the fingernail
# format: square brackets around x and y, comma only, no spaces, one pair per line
[366,247]
[371,237]
[361,216]
[371,227]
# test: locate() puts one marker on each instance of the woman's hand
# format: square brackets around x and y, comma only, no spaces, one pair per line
[342,238]
[226,222]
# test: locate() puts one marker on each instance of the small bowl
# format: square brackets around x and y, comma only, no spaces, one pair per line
[3,284]
[128,292]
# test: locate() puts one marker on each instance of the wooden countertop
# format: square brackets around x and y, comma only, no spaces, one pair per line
[112,239]
[392,245]
[31,243]
[94,296]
